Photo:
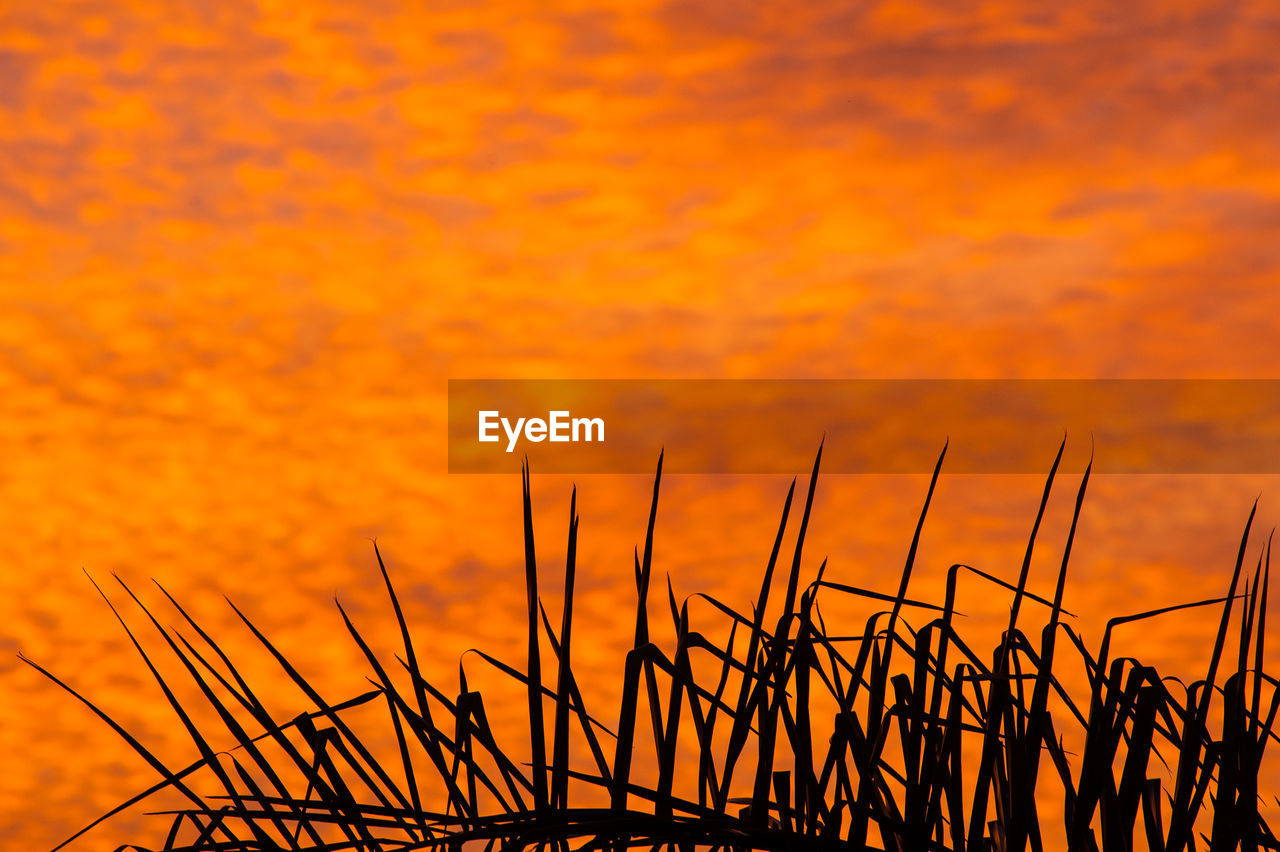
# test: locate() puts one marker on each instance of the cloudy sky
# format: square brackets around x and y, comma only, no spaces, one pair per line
[243,246]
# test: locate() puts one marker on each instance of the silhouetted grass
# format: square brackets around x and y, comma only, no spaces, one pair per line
[925,745]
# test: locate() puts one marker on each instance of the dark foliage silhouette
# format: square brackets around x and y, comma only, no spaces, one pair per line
[926,745]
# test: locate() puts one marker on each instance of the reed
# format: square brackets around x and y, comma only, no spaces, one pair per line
[888,737]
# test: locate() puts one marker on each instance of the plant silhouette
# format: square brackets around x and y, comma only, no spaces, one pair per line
[924,746]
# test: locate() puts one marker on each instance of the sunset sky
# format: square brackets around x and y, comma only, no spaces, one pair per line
[244,246]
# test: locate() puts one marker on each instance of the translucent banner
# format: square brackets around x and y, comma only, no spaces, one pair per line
[867,426]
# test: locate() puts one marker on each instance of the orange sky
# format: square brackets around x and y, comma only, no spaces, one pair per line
[243,246]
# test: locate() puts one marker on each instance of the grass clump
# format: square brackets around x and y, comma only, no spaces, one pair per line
[888,737]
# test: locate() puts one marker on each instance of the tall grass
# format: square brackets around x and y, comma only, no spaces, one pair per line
[888,737]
